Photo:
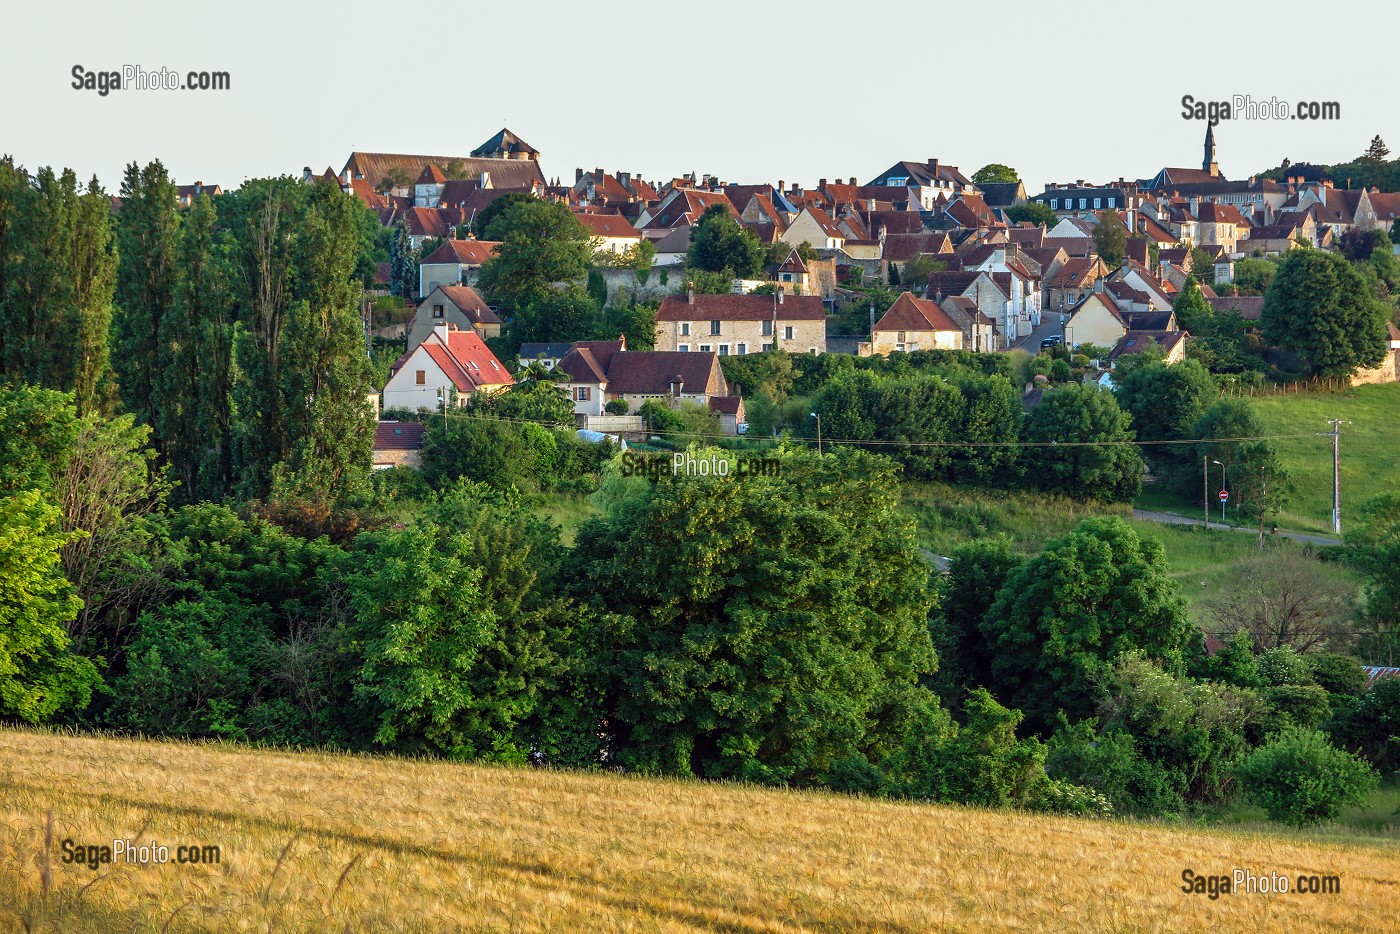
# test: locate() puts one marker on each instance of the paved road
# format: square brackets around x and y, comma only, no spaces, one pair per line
[1171,518]
[1049,325]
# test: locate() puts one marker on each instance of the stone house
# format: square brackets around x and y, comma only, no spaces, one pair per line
[459,305]
[741,324]
[914,324]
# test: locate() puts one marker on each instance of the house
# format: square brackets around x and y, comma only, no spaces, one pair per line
[506,145]
[599,372]
[741,324]
[793,275]
[815,227]
[547,355]
[1220,224]
[1003,194]
[914,324]
[187,193]
[449,263]
[731,414]
[459,305]
[672,246]
[611,232]
[449,361]
[980,333]
[681,207]
[1095,320]
[384,170]
[926,181]
[397,444]
[1173,343]
[1079,200]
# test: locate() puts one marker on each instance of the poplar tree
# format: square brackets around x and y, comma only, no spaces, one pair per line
[147,229]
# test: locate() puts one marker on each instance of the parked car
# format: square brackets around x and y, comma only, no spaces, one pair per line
[1052,341]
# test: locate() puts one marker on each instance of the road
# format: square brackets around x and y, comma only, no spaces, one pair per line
[1049,325]
[1171,518]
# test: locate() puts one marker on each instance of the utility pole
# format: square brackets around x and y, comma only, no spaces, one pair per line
[1205,486]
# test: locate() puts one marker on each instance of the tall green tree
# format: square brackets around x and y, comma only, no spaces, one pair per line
[541,243]
[1098,459]
[1061,618]
[1111,237]
[403,262]
[147,237]
[770,629]
[39,675]
[719,244]
[1319,307]
[195,380]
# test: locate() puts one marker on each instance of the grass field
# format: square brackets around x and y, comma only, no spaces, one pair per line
[1370,460]
[948,516]
[339,843]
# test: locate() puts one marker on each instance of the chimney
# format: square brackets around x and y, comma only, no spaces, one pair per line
[782,186]
[780,295]
[622,339]
[821,184]
[853,181]
[578,176]
[933,166]
[690,295]
[348,179]
[1098,285]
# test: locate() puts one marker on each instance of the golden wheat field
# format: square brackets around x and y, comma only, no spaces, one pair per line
[313,842]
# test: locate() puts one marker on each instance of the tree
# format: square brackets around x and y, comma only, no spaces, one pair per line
[396,177]
[533,399]
[634,320]
[1111,238]
[195,380]
[979,570]
[326,372]
[403,262]
[1372,549]
[1034,213]
[994,172]
[147,238]
[1062,618]
[1377,151]
[541,243]
[1319,307]
[1254,475]
[1165,401]
[770,630]
[1279,598]
[718,244]
[39,675]
[565,316]
[1299,778]
[1098,460]
[498,206]
[1253,275]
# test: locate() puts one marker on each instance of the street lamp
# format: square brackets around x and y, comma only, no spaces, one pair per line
[1222,489]
[819,430]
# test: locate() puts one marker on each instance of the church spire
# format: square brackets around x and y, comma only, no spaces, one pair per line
[1209,164]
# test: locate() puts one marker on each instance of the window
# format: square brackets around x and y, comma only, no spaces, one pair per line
[812,351]
[1054,204]
[900,338]
[583,394]
[742,349]
[787,333]
[768,329]
[1082,203]
[899,348]
[724,350]
[437,311]
[685,329]
[1112,202]
[1097,203]
[705,348]
[766,347]
[421,377]
[714,329]
[684,348]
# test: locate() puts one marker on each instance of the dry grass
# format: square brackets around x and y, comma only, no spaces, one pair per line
[334,843]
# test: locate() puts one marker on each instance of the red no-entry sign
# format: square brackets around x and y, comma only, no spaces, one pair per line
[1224,495]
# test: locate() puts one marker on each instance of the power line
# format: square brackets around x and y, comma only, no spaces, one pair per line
[931,444]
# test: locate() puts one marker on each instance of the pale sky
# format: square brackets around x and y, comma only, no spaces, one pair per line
[750,91]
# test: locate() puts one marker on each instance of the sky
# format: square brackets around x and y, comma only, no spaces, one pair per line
[748,91]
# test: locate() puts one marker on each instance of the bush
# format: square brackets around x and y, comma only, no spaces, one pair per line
[1300,778]
[1284,665]
[616,407]
[1056,797]
[1338,673]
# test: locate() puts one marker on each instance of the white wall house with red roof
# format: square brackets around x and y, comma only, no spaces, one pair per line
[448,361]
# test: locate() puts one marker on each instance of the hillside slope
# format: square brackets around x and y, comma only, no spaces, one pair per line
[318,842]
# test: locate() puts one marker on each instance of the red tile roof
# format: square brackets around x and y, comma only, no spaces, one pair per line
[464,358]
[398,436]
[608,225]
[465,252]
[742,308]
[915,314]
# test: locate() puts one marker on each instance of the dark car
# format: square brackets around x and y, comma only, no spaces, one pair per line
[1052,341]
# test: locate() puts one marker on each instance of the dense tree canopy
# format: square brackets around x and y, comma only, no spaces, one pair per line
[1099,461]
[718,244]
[1318,307]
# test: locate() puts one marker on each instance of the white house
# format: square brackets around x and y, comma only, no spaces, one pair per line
[449,360]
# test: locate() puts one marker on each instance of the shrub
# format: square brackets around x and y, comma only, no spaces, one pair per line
[1338,673]
[616,407]
[1300,778]
[1057,797]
